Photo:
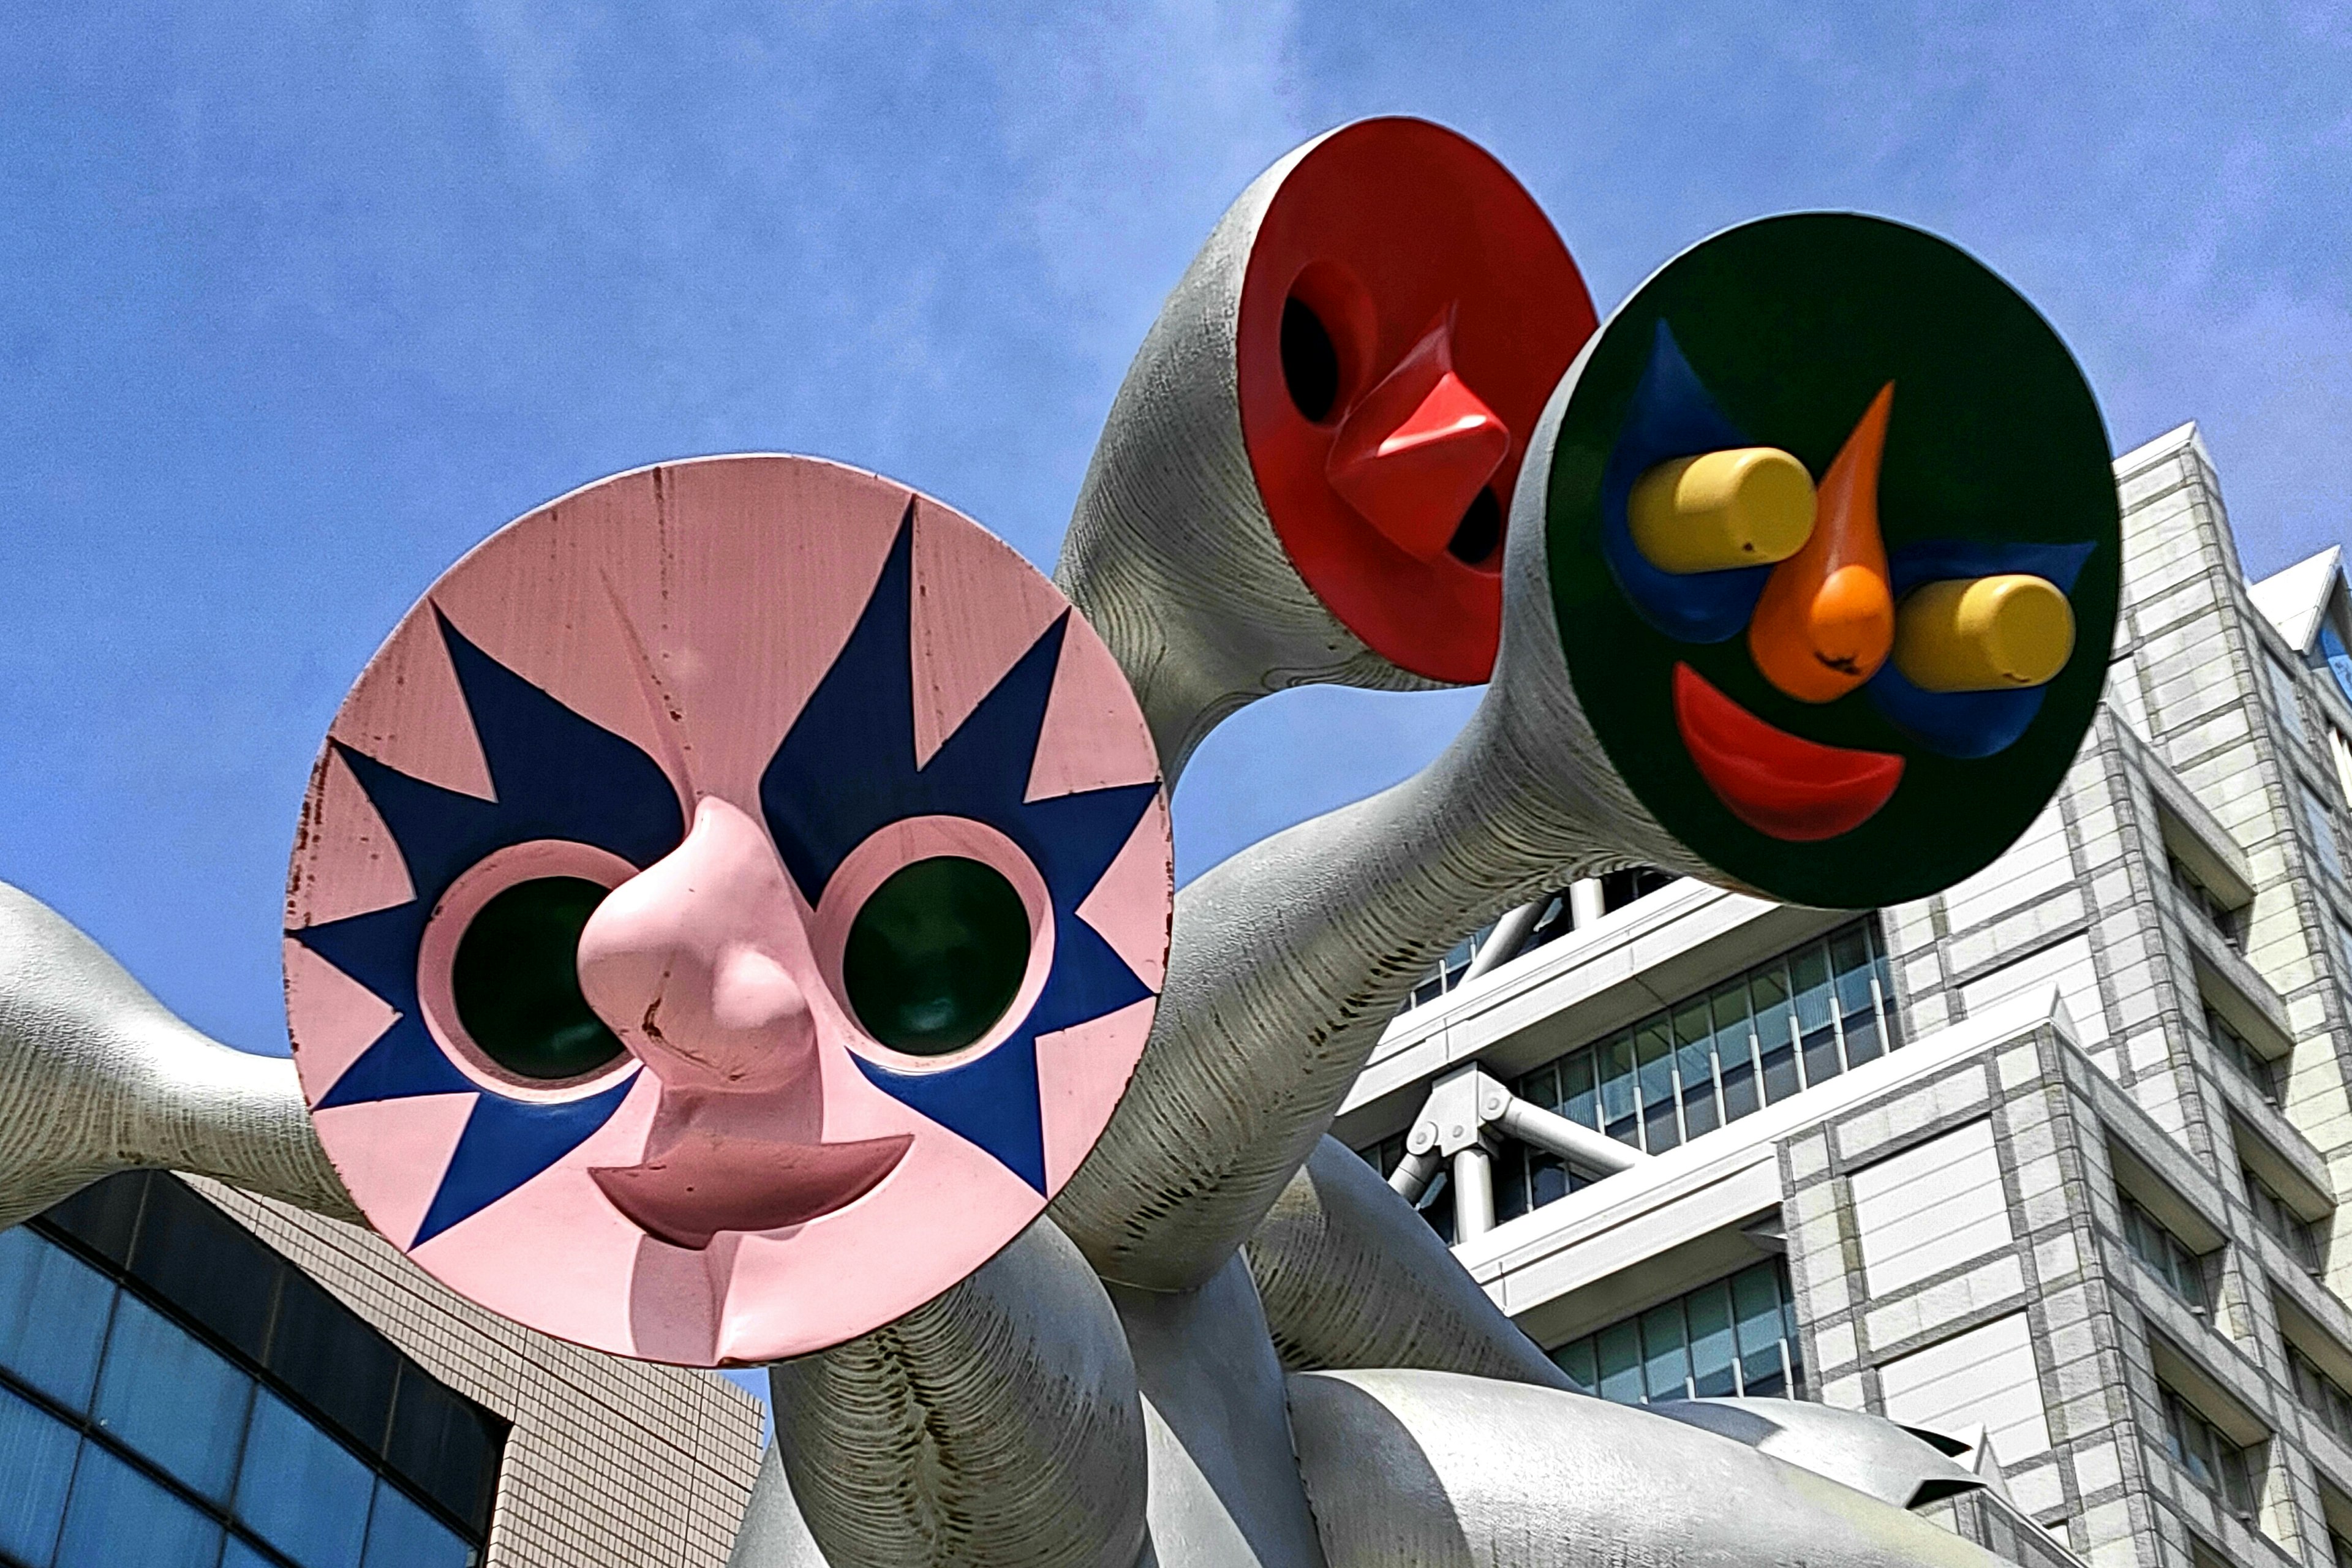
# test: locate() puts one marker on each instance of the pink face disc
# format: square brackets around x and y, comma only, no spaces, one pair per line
[727,909]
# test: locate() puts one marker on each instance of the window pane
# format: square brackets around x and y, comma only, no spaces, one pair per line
[334,1359]
[104,1217]
[52,1316]
[1710,1342]
[403,1535]
[1774,1044]
[443,1444]
[1756,1303]
[1665,1366]
[1579,1101]
[1547,1178]
[36,1456]
[1735,1050]
[300,1491]
[1617,1089]
[119,1519]
[1620,1350]
[1575,1358]
[241,1555]
[206,1264]
[171,1397]
[1657,1054]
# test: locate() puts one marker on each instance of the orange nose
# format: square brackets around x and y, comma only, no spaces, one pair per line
[1826,620]
[1415,450]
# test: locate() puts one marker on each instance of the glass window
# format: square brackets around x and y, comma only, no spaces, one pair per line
[2263,1073]
[2280,1221]
[206,1264]
[2323,833]
[119,1519]
[172,1398]
[1733,1336]
[1726,1052]
[441,1442]
[36,1459]
[2224,919]
[340,1365]
[2166,1255]
[403,1535]
[2213,1461]
[53,1311]
[2283,697]
[2321,1395]
[300,1491]
[2339,751]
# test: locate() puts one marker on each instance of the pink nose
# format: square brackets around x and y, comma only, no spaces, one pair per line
[701,964]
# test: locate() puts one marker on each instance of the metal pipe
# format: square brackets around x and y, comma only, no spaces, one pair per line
[1586,902]
[1411,1176]
[1504,942]
[1474,1193]
[1594,1152]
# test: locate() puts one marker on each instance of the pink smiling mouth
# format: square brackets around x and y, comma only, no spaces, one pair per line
[704,1182]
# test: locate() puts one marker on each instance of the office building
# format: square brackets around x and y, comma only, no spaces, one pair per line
[2046,1163]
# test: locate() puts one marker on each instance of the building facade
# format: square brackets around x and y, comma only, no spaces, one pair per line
[2047,1163]
[192,1377]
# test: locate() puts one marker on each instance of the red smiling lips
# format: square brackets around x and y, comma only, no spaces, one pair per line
[1781,784]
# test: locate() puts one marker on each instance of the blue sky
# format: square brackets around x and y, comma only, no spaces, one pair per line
[299,302]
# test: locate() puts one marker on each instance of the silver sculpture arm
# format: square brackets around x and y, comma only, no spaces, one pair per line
[998,1424]
[1289,959]
[1170,554]
[1428,1470]
[96,1076]
[1351,1276]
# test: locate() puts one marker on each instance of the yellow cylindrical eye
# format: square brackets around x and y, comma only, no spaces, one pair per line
[1749,506]
[1983,633]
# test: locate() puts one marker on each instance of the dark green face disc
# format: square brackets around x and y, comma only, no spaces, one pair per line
[936,955]
[516,981]
[1793,325]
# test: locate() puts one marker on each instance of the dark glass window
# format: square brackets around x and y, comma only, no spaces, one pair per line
[1436,1204]
[2227,923]
[2165,1254]
[2213,1461]
[1735,1336]
[2281,1223]
[2320,1394]
[257,1424]
[2266,1074]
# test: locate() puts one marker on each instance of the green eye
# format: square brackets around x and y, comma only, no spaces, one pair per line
[516,981]
[936,955]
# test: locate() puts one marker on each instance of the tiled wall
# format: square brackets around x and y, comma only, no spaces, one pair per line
[611,1463]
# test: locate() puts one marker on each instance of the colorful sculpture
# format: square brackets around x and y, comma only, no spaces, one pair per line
[730,919]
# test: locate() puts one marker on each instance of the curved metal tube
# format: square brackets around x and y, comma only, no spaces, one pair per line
[1170,555]
[96,1077]
[1353,1277]
[997,1423]
[1289,959]
[1421,1469]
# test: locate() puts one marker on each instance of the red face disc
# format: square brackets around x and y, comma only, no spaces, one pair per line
[1406,311]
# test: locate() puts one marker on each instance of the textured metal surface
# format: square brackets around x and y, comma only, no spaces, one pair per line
[96,1076]
[1170,552]
[1353,1277]
[1868,1452]
[1290,958]
[997,1423]
[774,1534]
[1225,1492]
[1424,1470]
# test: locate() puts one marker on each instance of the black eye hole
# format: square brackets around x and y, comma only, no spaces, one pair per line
[516,981]
[1480,531]
[1310,361]
[936,955]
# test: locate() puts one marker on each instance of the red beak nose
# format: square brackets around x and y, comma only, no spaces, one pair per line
[1415,450]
